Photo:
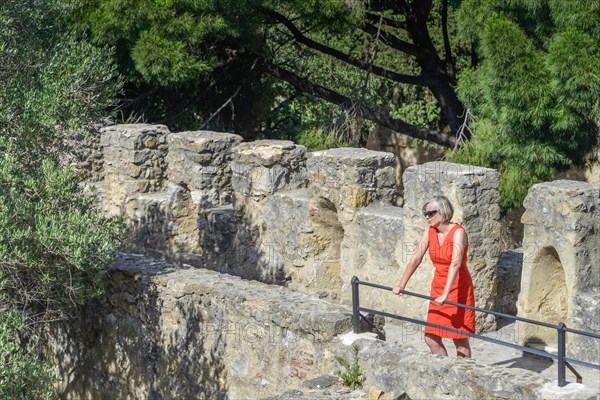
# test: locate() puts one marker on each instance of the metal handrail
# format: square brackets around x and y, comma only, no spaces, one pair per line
[561,329]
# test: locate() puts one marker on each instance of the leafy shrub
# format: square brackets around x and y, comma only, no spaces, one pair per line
[55,86]
[23,374]
[52,242]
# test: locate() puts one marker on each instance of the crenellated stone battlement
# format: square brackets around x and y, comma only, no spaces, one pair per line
[272,212]
[269,210]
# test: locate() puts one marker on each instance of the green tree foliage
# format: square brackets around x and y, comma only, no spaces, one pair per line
[23,374]
[536,93]
[520,164]
[53,244]
[353,54]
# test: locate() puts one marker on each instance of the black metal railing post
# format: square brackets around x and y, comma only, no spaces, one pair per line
[561,354]
[355,306]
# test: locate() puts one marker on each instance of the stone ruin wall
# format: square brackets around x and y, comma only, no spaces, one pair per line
[166,333]
[271,211]
[170,333]
[561,265]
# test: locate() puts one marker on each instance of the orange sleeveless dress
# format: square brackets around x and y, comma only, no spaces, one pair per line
[462,291]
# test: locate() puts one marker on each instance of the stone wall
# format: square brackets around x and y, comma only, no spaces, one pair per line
[270,211]
[169,333]
[561,264]
[164,333]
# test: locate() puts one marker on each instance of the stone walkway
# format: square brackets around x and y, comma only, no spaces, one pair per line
[407,334]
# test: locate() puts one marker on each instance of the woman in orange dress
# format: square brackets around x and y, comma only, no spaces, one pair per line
[448,244]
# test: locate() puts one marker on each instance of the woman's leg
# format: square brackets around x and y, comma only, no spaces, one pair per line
[463,348]
[435,344]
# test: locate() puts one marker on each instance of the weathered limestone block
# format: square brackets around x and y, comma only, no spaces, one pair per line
[264,167]
[302,239]
[163,222]
[200,161]
[134,162]
[372,250]
[561,263]
[473,191]
[196,334]
[217,230]
[352,178]
[146,215]
[259,170]
[510,265]
[221,238]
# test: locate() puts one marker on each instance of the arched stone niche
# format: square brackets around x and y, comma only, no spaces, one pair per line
[560,281]
[548,296]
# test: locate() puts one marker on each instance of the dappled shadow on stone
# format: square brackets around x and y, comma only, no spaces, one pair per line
[135,343]
[192,359]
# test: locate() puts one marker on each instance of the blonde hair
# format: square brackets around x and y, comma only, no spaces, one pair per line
[443,205]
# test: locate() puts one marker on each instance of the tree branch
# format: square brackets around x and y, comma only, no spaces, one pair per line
[300,38]
[393,41]
[448,59]
[375,18]
[398,125]
[228,101]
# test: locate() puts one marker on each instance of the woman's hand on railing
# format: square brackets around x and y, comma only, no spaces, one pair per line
[440,300]
[397,290]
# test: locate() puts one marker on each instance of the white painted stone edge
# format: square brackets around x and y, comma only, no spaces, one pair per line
[350,337]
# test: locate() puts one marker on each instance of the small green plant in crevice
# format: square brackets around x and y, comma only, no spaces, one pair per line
[351,375]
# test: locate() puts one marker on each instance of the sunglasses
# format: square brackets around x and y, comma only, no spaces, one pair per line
[429,214]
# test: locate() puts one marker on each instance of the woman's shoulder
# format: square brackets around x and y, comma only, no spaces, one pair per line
[459,232]
[457,226]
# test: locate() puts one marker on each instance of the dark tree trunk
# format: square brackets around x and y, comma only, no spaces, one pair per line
[434,70]
[452,109]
